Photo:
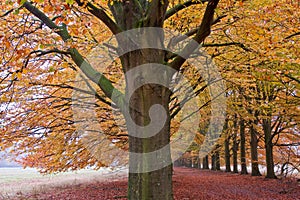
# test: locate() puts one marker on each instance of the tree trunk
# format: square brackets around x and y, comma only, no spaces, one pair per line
[269,148]
[243,147]
[227,148]
[145,183]
[199,163]
[150,165]
[235,145]
[205,162]
[254,156]
[213,162]
[218,165]
[227,155]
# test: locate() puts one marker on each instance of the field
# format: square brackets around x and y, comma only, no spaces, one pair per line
[18,181]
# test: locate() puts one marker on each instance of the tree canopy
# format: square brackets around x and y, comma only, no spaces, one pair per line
[50,53]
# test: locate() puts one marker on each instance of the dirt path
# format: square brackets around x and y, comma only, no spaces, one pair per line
[189,184]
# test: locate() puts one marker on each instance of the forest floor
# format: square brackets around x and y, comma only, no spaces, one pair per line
[188,184]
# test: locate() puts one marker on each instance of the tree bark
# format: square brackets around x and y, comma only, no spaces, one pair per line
[199,164]
[218,165]
[226,147]
[143,181]
[227,156]
[235,145]
[155,184]
[243,147]
[205,162]
[213,162]
[254,155]
[269,148]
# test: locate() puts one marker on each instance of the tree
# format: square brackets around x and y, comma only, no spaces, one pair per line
[67,25]
[235,145]
[227,146]
[243,147]
[254,144]
[259,46]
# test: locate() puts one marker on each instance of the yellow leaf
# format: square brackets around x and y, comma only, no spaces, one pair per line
[19,75]
[65,65]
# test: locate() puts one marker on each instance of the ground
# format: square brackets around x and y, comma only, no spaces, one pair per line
[189,184]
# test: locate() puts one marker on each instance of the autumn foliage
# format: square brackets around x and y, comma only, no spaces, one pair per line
[255,45]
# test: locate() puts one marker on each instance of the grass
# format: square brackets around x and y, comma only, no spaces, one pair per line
[16,182]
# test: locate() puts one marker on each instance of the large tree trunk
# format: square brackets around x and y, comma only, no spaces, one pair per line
[144,182]
[269,148]
[235,145]
[150,165]
[253,145]
[243,147]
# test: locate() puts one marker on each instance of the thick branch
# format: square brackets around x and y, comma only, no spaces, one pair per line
[156,12]
[202,33]
[182,6]
[109,90]
[60,30]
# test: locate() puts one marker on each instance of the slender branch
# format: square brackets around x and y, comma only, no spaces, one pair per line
[228,44]
[192,32]
[182,6]
[291,77]
[64,86]
[293,35]
[172,55]
[10,11]
[289,144]
[42,53]
[101,14]
[7,12]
